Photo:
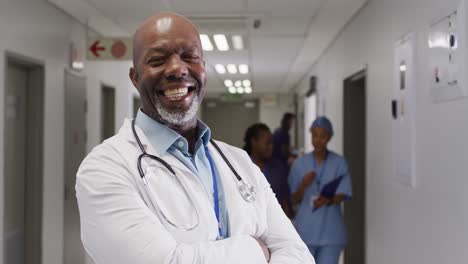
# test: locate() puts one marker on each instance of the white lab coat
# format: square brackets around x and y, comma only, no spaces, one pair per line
[119,225]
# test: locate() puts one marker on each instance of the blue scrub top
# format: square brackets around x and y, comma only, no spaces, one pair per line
[324,226]
[276,173]
[280,138]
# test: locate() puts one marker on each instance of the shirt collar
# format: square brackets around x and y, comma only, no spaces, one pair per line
[162,138]
[204,133]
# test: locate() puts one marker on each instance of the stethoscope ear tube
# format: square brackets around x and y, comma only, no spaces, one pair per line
[238,177]
[246,190]
[146,155]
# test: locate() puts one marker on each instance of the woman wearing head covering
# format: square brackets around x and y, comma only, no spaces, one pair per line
[259,146]
[319,183]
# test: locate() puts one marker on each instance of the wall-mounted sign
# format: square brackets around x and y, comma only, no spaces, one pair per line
[269,100]
[106,49]
[404,109]
[447,43]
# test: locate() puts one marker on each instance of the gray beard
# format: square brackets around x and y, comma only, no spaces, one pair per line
[178,117]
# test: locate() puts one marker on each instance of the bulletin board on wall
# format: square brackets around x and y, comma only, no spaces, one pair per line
[447,42]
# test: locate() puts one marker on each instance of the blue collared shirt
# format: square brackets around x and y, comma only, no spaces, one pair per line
[163,139]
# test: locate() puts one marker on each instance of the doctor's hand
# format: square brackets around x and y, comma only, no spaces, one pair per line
[309,178]
[265,249]
[321,201]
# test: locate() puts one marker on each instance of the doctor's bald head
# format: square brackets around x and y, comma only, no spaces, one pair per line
[168,68]
[161,24]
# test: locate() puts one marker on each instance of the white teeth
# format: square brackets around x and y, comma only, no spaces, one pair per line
[176,94]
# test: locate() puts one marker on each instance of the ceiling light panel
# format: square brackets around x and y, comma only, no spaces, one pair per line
[237,42]
[206,42]
[228,83]
[221,42]
[232,90]
[220,69]
[231,68]
[244,68]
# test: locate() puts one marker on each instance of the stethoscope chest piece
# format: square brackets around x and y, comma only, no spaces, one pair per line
[247,192]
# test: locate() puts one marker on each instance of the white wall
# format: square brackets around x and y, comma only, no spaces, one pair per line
[426,224]
[114,74]
[42,33]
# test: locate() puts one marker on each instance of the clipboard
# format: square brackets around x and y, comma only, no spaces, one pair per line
[329,190]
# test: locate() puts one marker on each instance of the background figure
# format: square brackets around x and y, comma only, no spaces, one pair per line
[258,144]
[319,221]
[282,140]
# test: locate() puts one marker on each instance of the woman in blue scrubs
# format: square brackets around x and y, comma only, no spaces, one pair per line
[318,220]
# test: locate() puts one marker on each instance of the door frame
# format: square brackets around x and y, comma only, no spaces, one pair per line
[69,190]
[104,86]
[34,66]
[363,73]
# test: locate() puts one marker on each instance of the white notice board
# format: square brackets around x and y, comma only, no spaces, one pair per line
[404,114]
[447,42]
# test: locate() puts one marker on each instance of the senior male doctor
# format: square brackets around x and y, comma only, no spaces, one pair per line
[161,190]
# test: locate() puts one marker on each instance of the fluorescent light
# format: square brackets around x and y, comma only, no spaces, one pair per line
[237,42]
[232,90]
[206,42]
[220,69]
[228,83]
[246,83]
[240,90]
[79,65]
[232,69]
[403,67]
[221,42]
[244,68]
[248,90]
[238,84]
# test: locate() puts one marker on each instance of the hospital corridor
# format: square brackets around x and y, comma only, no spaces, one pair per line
[233,131]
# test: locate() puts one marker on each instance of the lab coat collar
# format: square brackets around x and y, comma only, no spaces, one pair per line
[127,133]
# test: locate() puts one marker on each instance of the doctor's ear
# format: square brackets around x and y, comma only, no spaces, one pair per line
[133,74]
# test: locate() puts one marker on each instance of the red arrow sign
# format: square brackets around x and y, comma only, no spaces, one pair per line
[95,48]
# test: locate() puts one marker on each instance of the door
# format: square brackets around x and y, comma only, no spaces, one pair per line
[228,121]
[23,159]
[107,112]
[354,118]
[75,151]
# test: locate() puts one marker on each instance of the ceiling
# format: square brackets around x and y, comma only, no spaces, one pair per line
[291,37]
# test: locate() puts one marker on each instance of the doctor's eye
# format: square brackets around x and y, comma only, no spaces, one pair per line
[156,61]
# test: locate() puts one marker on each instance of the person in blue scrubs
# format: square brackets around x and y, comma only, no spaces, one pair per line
[282,140]
[319,221]
[259,145]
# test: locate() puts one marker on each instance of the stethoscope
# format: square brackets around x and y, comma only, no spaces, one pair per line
[246,190]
